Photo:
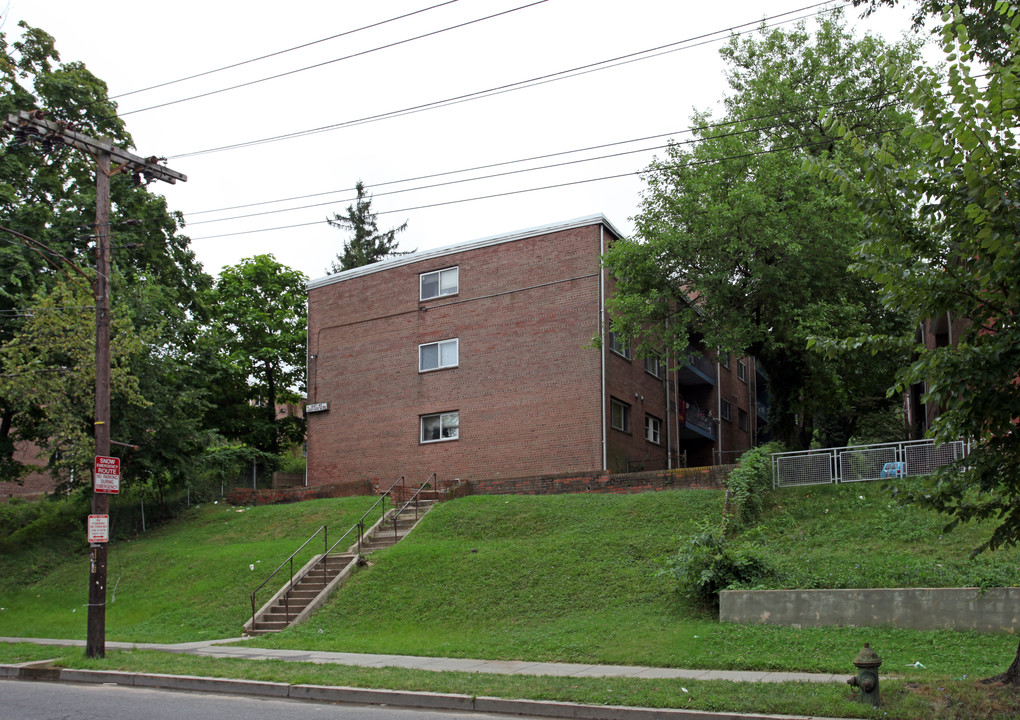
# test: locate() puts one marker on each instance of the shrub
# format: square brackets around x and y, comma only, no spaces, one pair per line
[705,565]
[750,482]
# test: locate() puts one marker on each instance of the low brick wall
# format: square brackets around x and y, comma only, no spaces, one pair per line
[993,610]
[288,480]
[248,496]
[713,477]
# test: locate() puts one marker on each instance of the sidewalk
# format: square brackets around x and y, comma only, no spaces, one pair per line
[453,702]
[216,648]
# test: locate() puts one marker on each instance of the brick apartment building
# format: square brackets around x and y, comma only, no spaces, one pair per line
[477,361]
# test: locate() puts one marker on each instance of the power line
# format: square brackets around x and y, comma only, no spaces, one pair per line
[510,87]
[717,125]
[281,52]
[335,60]
[712,161]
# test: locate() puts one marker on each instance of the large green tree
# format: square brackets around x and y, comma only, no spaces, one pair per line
[47,193]
[262,328]
[367,244]
[738,244]
[946,239]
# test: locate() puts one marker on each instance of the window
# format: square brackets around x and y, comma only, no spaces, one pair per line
[742,419]
[440,283]
[726,409]
[620,415]
[619,345]
[437,355]
[742,370]
[653,429]
[724,360]
[653,365]
[444,426]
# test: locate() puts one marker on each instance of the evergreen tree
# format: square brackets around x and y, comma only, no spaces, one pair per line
[367,245]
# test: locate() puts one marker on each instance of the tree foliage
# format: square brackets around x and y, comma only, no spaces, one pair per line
[737,244]
[261,304]
[944,222]
[367,244]
[47,192]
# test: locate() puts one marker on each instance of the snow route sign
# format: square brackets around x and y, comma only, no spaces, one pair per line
[106,475]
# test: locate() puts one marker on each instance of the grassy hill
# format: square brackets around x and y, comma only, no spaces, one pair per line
[568,578]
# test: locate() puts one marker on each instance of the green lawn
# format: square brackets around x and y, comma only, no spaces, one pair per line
[560,578]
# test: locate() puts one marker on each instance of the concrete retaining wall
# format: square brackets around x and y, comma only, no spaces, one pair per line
[993,610]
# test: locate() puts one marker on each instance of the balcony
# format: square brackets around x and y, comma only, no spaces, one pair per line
[698,370]
[698,425]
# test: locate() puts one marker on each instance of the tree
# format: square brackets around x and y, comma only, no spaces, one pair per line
[263,327]
[739,245]
[366,245]
[48,194]
[945,221]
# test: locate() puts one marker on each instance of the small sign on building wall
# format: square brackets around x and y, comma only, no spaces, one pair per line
[316,407]
[99,528]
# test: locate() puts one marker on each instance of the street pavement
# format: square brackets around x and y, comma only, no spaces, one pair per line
[436,701]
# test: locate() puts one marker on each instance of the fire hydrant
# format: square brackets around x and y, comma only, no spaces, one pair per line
[867,662]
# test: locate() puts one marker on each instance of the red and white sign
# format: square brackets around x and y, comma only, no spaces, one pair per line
[99,528]
[106,475]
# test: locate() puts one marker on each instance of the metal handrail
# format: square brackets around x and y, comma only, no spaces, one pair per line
[414,499]
[327,549]
[325,540]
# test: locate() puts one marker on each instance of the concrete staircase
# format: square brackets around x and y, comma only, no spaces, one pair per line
[323,574]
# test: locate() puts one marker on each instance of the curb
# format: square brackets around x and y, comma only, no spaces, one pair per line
[368,696]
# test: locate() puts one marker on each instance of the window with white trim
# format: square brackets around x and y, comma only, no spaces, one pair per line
[725,410]
[620,415]
[618,345]
[438,355]
[742,370]
[653,365]
[441,426]
[439,283]
[653,429]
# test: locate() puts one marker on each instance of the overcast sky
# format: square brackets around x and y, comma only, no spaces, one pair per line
[134,44]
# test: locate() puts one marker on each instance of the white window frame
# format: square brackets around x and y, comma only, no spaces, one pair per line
[656,363]
[447,421]
[439,355]
[742,370]
[455,270]
[653,429]
[624,415]
[726,410]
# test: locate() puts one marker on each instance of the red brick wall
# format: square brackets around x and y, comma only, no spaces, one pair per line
[35,484]
[527,386]
[596,482]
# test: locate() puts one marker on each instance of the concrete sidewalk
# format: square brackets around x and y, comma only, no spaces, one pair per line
[217,648]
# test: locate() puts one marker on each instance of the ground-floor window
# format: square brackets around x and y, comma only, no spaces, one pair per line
[442,426]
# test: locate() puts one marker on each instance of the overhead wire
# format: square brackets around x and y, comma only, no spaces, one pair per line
[519,85]
[712,161]
[334,60]
[281,52]
[713,126]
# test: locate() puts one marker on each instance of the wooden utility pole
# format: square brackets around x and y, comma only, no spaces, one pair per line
[32,126]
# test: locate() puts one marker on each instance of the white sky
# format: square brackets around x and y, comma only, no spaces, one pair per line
[132,44]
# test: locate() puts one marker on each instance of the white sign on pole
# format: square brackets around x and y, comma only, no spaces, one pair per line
[99,528]
[106,475]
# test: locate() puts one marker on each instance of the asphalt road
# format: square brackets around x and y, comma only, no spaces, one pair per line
[31,700]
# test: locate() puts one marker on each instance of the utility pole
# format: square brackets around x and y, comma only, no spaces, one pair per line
[31,126]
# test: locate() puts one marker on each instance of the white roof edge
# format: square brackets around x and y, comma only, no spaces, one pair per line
[598,218]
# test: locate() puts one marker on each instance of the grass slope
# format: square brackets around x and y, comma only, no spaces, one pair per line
[189,580]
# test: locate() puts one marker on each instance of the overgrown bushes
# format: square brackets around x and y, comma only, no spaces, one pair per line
[750,482]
